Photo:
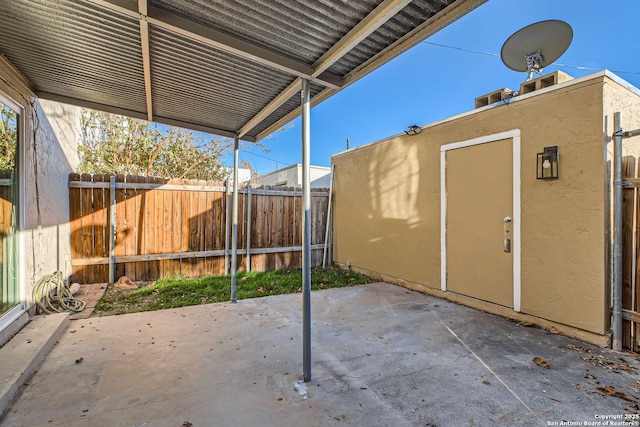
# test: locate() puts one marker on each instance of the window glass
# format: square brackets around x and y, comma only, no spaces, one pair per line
[9,137]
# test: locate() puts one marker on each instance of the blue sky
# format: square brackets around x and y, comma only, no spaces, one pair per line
[429,83]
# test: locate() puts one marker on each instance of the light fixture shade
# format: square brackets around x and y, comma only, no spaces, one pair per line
[547,163]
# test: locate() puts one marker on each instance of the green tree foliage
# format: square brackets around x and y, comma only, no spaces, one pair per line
[113,144]
[8,137]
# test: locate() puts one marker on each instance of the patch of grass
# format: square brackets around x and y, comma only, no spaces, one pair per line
[181,292]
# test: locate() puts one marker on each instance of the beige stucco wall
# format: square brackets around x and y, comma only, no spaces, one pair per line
[387,202]
[45,234]
[55,149]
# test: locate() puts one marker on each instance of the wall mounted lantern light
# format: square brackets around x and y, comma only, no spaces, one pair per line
[547,163]
[413,130]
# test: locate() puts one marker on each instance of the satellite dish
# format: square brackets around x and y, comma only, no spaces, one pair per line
[535,46]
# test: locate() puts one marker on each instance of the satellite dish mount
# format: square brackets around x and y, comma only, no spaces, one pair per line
[534,47]
[534,64]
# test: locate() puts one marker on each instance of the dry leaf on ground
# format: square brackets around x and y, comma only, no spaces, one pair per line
[607,363]
[610,391]
[541,362]
[526,324]
[578,349]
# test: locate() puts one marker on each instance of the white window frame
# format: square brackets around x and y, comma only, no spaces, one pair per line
[18,310]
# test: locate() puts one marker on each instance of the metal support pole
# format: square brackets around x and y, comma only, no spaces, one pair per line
[306,232]
[616,327]
[226,229]
[328,226]
[234,230]
[248,257]
[112,229]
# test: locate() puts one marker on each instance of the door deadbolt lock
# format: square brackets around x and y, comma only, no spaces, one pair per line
[507,245]
[507,234]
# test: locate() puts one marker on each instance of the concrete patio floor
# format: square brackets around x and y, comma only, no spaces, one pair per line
[382,356]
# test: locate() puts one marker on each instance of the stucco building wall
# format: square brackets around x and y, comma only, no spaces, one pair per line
[49,154]
[54,157]
[387,201]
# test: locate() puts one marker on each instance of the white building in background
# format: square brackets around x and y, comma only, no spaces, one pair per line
[244,175]
[291,176]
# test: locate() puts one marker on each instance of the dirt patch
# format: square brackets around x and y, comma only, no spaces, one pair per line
[113,303]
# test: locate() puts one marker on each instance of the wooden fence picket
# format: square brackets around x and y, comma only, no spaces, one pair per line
[631,255]
[166,228]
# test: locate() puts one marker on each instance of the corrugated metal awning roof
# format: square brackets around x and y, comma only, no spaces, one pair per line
[227,67]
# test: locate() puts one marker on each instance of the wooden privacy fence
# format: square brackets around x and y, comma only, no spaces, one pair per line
[631,255]
[174,227]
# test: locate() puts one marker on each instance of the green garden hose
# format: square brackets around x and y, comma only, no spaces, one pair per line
[52,294]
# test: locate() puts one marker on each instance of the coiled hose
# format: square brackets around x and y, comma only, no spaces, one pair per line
[52,294]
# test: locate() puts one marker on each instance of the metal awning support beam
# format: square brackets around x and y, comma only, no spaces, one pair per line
[234,221]
[372,22]
[317,73]
[222,41]
[426,29]
[146,58]
[123,7]
[306,231]
[237,47]
[137,114]
[378,17]
[272,106]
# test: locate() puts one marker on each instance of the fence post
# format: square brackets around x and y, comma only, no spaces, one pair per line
[226,229]
[112,229]
[234,231]
[616,327]
[248,256]
[328,225]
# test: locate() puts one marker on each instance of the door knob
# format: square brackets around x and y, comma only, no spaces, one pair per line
[507,219]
